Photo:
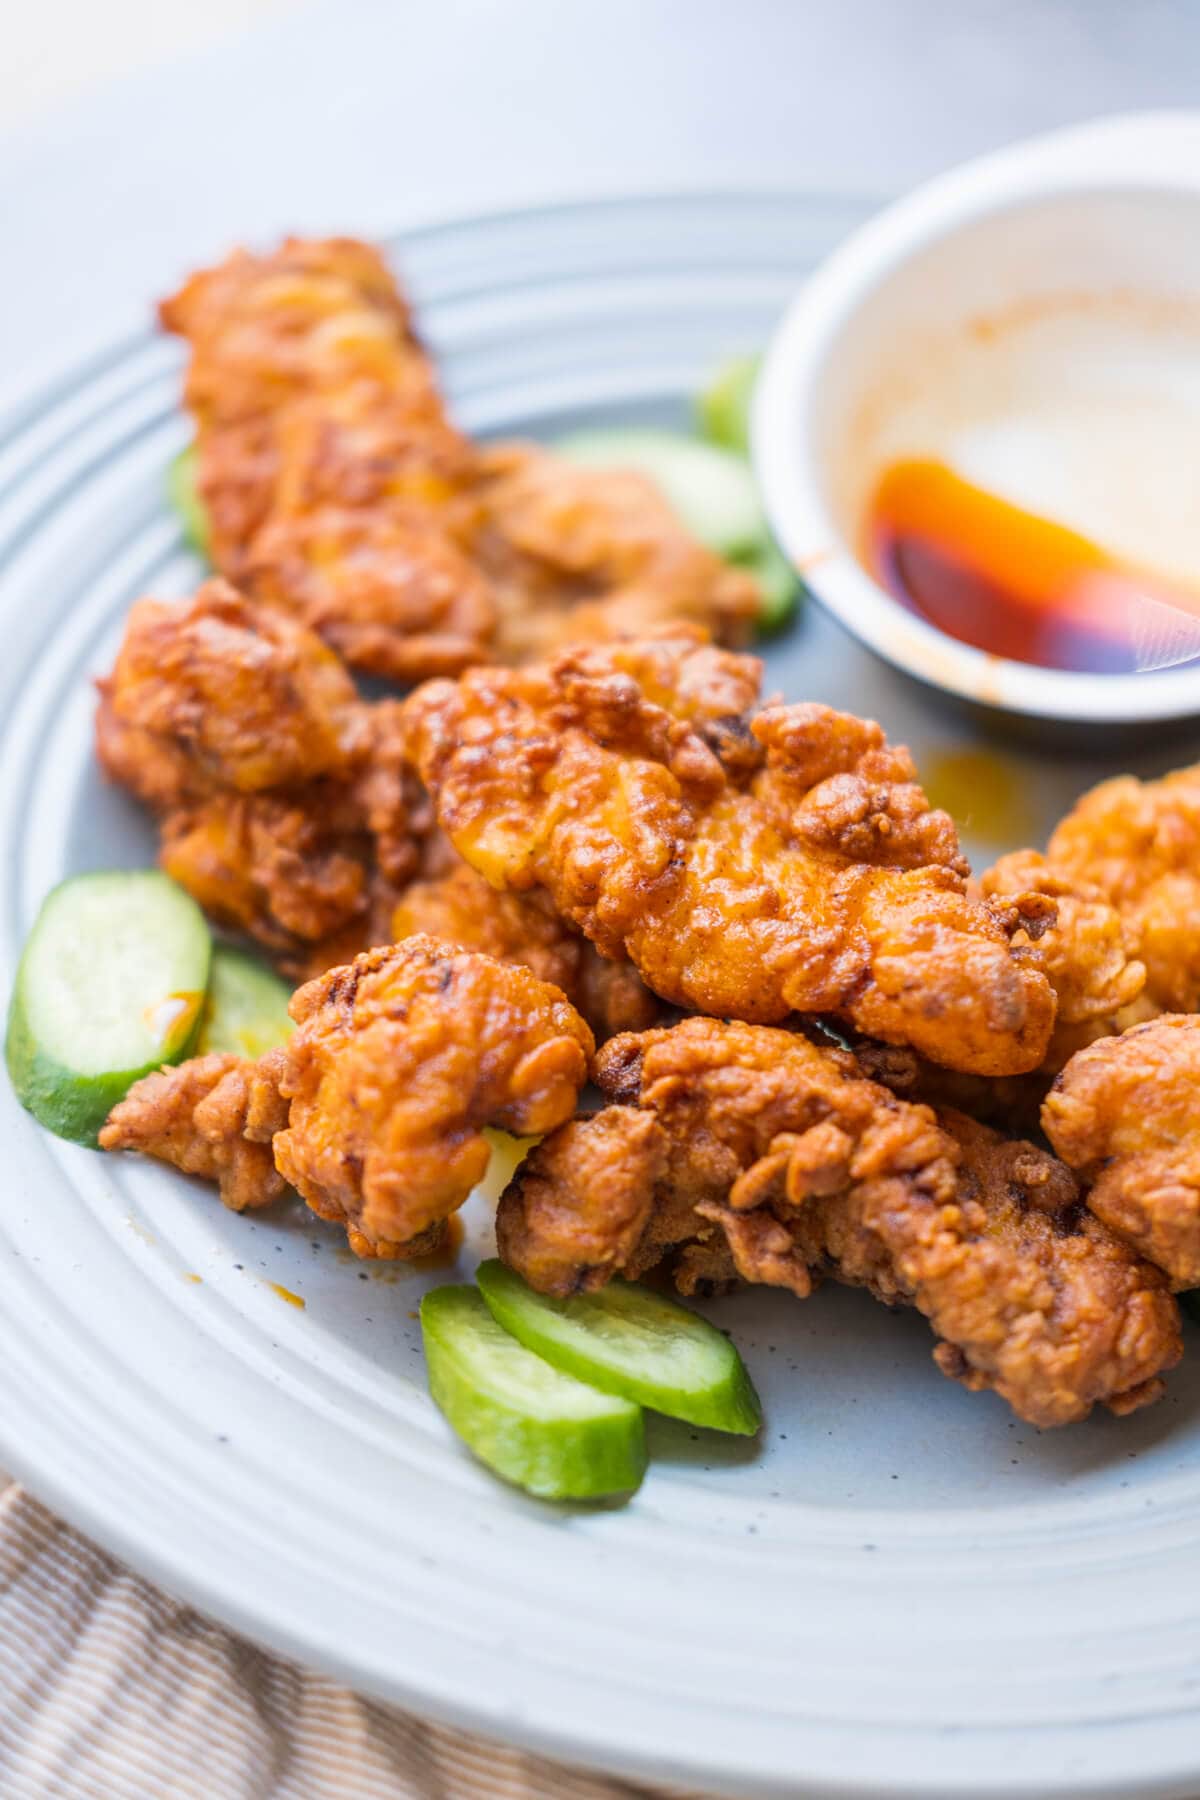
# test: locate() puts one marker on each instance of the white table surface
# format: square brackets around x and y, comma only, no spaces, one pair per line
[365,114]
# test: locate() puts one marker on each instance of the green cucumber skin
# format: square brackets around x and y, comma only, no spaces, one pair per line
[548,1459]
[723,408]
[185,499]
[71,1106]
[728,1404]
[779,586]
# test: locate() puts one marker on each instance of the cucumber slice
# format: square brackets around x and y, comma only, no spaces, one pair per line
[185,498]
[712,491]
[723,408]
[246,1012]
[629,1341]
[778,583]
[542,1430]
[110,986]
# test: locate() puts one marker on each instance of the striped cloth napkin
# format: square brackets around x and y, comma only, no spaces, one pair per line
[111,1691]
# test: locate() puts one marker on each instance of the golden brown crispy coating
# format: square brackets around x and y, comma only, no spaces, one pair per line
[1038,1299]
[246,699]
[1083,948]
[1030,1295]
[333,480]
[398,1062]
[586,1204]
[1125,1113]
[214,1116]
[376,1106]
[1086,953]
[460,908]
[305,316]
[370,542]
[283,873]
[264,332]
[728,1099]
[772,1159]
[337,487]
[750,860]
[284,803]
[1009,1102]
[577,555]
[1138,843]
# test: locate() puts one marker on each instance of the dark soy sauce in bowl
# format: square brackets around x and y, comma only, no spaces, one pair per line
[1017,585]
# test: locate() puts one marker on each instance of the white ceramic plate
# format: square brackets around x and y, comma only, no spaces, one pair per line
[903,1590]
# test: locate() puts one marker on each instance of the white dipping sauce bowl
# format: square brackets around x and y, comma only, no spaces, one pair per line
[1033,318]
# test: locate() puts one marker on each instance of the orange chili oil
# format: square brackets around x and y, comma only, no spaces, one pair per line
[985,793]
[987,572]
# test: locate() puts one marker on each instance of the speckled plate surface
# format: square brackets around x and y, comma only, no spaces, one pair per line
[902,1590]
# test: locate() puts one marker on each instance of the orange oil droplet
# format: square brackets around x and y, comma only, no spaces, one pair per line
[170,1020]
[287,1294]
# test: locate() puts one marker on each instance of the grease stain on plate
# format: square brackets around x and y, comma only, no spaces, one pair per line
[984,793]
[446,1254]
[277,1287]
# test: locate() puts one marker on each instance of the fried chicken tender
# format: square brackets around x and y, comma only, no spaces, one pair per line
[741,1150]
[750,860]
[1138,843]
[334,482]
[398,1062]
[1125,1113]
[580,555]
[283,800]
[460,908]
[1011,1103]
[723,1099]
[593,1200]
[214,1116]
[375,1108]
[337,487]
[1087,953]
[1038,1299]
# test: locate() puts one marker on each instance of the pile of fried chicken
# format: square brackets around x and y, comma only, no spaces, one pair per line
[825,1050]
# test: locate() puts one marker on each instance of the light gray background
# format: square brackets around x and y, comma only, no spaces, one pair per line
[366,114]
